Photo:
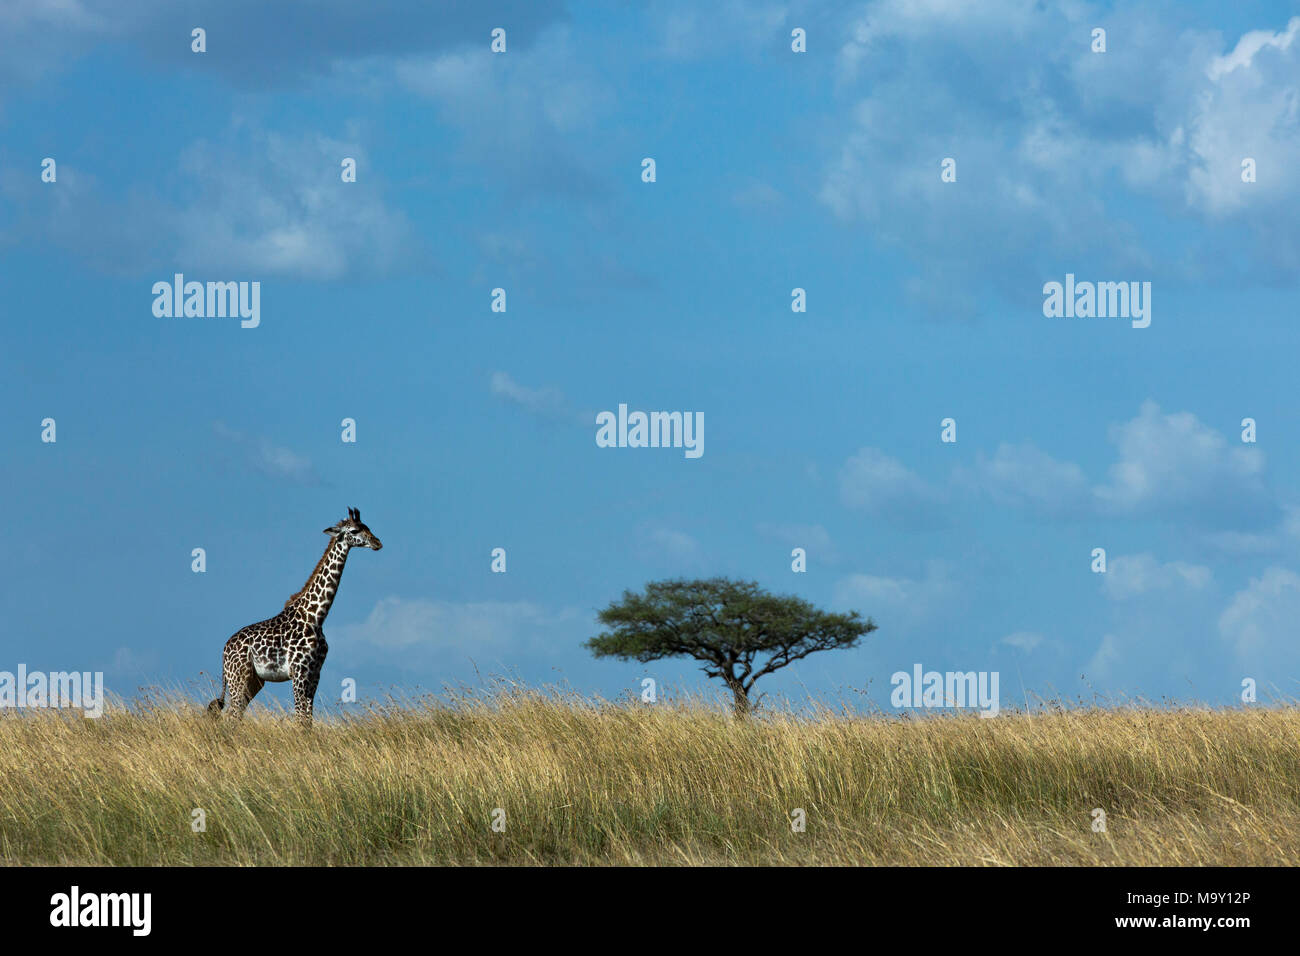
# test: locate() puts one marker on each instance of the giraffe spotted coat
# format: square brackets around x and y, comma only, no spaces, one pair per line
[291,646]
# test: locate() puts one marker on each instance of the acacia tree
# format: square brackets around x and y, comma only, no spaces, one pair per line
[738,630]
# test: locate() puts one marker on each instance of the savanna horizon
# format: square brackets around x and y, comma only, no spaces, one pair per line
[533,777]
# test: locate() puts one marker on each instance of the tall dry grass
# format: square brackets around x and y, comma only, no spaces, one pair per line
[591,782]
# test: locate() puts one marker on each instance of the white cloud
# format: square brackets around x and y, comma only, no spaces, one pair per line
[430,627]
[1173,461]
[1006,120]
[130,662]
[1102,663]
[1250,108]
[915,21]
[338,36]
[757,195]
[1167,465]
[1024,476]
[272,460]
[874,482]
[1242,542]
[280,462]
[678,547]
[813,538]
[524,115]
[1026,641]
[690,30]
[902,600]
[1260,625]
[41,35]
[249,204]
[276,204]
[56,14]
[1134,574]
[1051,140]
[548,401]
[1250,44]
[539,88]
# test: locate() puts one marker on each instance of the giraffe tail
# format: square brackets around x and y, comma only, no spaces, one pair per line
[217,706]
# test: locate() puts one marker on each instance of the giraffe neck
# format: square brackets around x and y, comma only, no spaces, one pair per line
[314,600]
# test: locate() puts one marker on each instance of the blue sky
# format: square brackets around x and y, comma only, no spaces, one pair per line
[775,170]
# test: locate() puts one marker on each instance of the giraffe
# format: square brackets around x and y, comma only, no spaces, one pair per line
[291,646]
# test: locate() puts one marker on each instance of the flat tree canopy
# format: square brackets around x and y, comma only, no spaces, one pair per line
[738,630]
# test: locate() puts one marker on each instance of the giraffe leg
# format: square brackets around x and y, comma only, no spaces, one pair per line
[227,669]
[242,681]
[238,701]
[254,685]
[305,678]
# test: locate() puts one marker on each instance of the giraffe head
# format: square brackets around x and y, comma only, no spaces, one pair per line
[354,533]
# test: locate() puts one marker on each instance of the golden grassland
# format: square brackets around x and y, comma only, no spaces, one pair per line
[592,782]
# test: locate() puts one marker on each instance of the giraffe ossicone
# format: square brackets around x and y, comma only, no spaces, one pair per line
[291,646]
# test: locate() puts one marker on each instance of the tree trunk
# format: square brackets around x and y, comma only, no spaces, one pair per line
[740,706]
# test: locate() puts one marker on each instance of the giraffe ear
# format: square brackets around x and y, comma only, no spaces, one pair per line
[333,530]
